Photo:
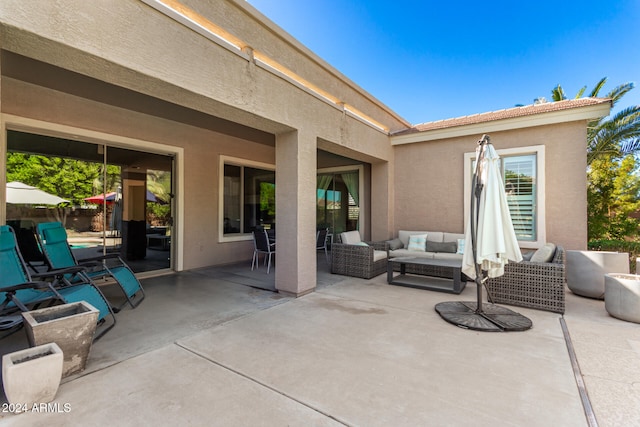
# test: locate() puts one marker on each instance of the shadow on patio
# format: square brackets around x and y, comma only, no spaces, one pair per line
[211,347]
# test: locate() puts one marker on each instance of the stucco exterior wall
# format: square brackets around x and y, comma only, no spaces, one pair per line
[202,149]
[181,87]
[130,45]
[429,181]
[261,34]
[135,46]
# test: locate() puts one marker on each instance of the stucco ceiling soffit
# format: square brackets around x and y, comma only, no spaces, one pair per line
[188,108]
[53,53]
[346,152]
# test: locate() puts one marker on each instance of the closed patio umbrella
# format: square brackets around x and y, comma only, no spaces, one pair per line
[19,193]
[493,243]
[496,241]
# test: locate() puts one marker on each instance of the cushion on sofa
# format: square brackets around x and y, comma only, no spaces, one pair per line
[434,236]
[412,254]
[526,256]
[448,247]
[350,237]
[452,237]
[378,255]
[545,253]
[395,244]
[446,255]
[403,235]
[417,242]
[460,249]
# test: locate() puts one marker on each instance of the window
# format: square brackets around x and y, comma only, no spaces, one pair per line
[338,199]
[248,197]
[519,174]
[523,174]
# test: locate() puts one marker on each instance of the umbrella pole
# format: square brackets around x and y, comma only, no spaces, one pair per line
[491,318]
[475,209]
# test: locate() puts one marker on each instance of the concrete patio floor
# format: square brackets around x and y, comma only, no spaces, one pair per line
[208,347]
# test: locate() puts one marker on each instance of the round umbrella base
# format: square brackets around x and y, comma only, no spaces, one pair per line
[490,318]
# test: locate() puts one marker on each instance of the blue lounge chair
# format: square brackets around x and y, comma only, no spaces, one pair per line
[58,254]
[19,292]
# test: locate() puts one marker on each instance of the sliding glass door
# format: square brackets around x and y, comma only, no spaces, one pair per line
[338,200]
[113,199]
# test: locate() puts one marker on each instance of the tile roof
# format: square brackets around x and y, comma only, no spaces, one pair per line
[509,113]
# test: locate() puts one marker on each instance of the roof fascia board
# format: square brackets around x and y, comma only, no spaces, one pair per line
[590,112]
[197,27]
[294,43]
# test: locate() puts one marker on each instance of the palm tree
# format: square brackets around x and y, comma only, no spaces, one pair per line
[617,135]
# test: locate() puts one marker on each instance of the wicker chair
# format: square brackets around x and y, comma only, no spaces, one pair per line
[358,260]
[538,285]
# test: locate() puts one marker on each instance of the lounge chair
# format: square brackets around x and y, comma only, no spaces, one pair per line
[58,254]
[20,292]
[28,244]
[352,257]
[532,284]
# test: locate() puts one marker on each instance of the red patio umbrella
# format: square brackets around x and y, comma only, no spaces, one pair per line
[101,199]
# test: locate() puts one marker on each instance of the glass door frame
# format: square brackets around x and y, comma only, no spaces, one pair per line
[363,196]
[24,124]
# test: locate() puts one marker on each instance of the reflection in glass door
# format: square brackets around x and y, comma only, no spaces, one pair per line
[115,200]
[337,201]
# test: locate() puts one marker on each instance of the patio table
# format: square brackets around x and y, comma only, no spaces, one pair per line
[421,281]
[158,241]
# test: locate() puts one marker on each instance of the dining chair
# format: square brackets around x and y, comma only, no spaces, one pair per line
[261,244]
[321,242]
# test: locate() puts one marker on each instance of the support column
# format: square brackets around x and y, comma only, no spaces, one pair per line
[296,181]
[382,201]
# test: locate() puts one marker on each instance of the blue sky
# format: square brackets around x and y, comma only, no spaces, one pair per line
[431,60]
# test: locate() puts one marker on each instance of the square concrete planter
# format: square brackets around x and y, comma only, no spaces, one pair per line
[32,376]
[71,326]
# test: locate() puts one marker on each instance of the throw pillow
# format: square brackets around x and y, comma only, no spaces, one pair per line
[449,247]
[417,242]
[395,244]
[544,254]
[360,244]
[460,250]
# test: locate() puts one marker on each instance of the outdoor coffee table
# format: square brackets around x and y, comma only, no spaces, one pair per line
[158,241]
[422,281]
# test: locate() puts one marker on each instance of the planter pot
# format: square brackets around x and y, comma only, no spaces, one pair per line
[71,326]
[32,376]
[586,270]
[622,296]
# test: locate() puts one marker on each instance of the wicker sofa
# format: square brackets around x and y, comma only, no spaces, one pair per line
[538,285]
[398,247]
[352,257]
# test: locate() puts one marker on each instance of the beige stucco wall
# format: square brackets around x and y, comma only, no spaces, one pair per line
[134,47]
[202,149]
[158,62]
[429,181]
